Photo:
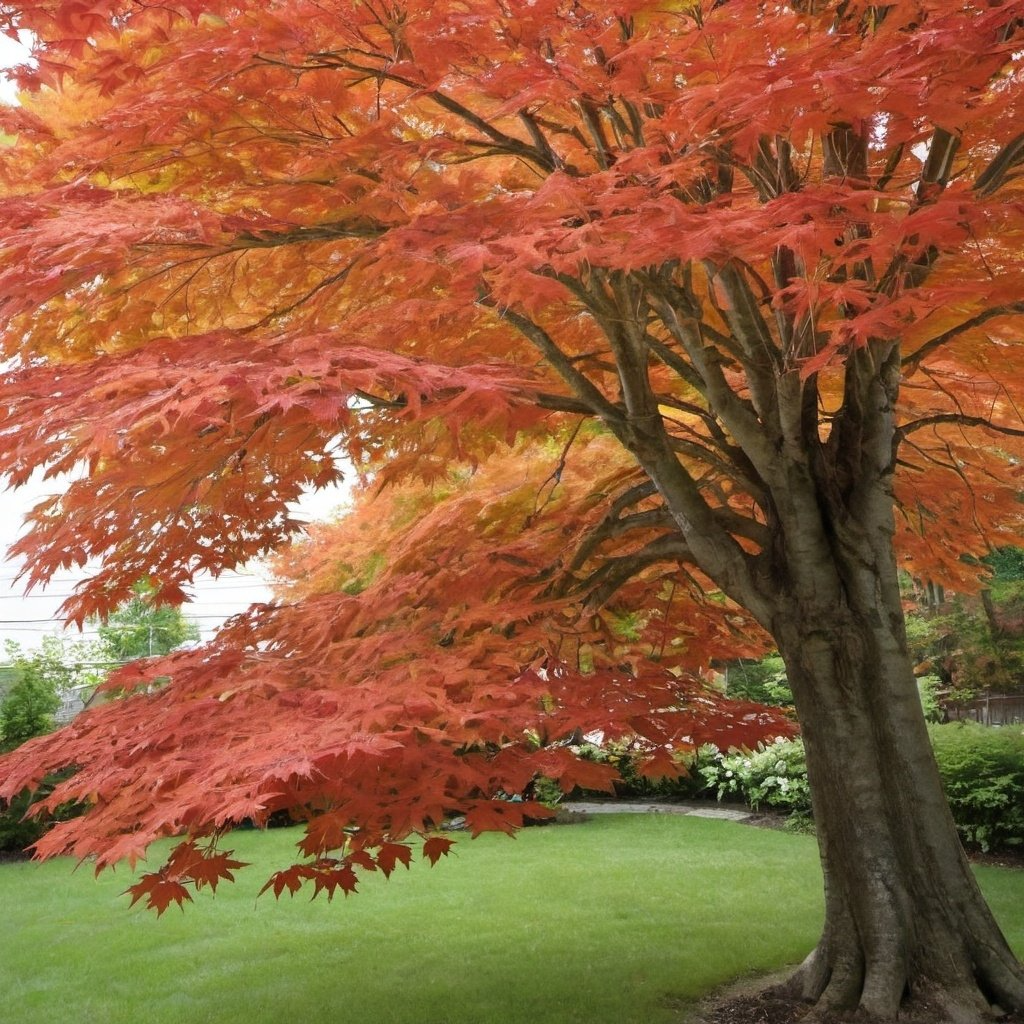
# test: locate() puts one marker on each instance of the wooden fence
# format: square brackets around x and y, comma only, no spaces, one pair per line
[995,709]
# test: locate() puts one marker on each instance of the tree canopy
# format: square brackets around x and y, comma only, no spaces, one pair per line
[661,329]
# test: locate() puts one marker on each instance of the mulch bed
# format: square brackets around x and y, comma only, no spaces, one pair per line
[769,1009]
[744,1004]
[765,1008]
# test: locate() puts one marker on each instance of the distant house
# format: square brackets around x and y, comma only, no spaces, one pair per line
[73,701]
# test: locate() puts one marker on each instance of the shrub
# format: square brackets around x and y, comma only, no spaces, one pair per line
[17,833]
[775,776]
[982,770]
[625,758]
[928,690]
[764,681]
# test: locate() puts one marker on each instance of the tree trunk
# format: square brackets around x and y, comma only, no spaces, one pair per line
[905,919]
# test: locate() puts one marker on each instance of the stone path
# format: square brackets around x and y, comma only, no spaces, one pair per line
[697,810]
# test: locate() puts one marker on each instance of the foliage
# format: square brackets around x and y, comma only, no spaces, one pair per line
[627,757]
[36,681]
[19,829]
[638,322]
[39,678]
[775,776]
[17,833]
[1006,563]
[28,707]
[139,628]
[983,772]
[974,643]
[969,647]
[763,681]
[928,687]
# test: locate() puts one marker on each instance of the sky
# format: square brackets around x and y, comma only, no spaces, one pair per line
[10,53]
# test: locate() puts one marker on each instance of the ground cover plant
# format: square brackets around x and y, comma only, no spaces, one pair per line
[543,937]
[658,334]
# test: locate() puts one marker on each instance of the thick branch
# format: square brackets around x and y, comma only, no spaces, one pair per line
[998,171]
[563,403]
[582,387]
[360,227]
[736,414]
[617,572]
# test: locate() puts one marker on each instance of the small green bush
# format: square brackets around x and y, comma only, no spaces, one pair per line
[982,770]
[764,681]
[17,832]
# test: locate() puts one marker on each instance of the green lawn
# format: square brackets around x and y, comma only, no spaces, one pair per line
[615,920]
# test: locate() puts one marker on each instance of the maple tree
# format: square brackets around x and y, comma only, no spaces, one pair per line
[715,304]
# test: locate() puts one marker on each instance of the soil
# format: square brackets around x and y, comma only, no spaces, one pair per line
[756,1001]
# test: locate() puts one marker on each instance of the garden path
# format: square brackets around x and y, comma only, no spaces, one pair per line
[696,808]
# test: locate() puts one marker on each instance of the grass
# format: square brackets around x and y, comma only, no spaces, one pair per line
[618,920]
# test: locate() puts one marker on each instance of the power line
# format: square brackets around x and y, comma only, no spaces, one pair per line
[231,582]
[58,620]
[56,597]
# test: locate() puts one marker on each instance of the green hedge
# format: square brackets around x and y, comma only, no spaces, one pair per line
[982,770]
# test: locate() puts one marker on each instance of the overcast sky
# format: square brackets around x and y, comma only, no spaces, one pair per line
[10,53]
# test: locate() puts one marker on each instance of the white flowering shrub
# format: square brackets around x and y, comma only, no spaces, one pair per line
[775,776]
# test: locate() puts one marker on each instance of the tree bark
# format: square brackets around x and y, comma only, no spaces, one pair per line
[905,919]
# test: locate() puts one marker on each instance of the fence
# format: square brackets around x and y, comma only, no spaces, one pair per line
[994,709]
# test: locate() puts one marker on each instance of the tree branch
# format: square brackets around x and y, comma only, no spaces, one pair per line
[997,173]
[617,572]
[961,419]
[582,387]
[912,361]
[509,143]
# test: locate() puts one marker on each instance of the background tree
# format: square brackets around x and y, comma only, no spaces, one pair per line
[30,701]
[33,686]
[141,629]
[768,255]
[34,683]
